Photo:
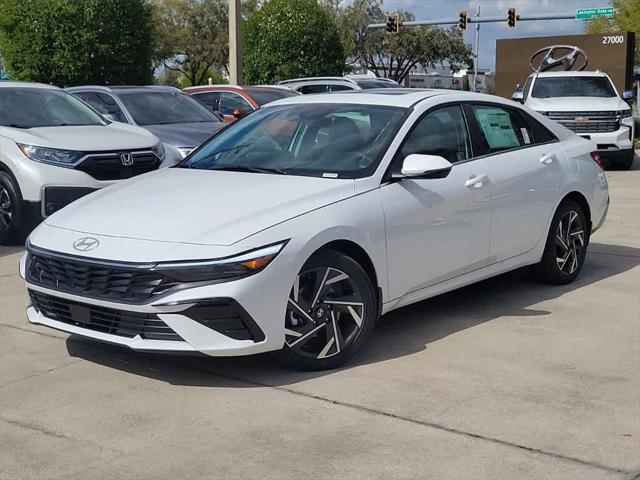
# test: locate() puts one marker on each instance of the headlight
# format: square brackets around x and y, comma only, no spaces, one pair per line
[221,269]
[624,113]
[158,149]
[51,155]
[184,151]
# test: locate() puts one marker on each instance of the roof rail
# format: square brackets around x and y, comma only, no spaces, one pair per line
[314,79]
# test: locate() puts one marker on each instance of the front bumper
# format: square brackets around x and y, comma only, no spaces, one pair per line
[239,317]
[619,140]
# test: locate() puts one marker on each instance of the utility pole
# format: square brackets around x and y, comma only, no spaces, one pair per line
[477,46]
[235,43]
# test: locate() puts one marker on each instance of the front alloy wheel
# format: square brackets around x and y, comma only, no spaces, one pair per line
[6,209]
[330,310]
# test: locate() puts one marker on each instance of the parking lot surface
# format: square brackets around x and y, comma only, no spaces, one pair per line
[504,379]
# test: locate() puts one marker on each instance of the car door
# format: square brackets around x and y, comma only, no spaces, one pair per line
[524,164]
[437,228]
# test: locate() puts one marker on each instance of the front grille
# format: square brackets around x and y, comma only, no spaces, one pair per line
[98,280]
[101,319]
[592,122]
[109,166]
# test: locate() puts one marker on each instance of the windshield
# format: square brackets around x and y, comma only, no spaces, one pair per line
[161,108]
[572,87]
[264,96]
[43,107]
[329,140]
[366,84]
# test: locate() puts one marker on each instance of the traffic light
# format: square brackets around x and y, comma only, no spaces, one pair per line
[512,18]
[392,21]
[464,20]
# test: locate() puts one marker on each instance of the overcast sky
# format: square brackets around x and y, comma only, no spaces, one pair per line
[490,32]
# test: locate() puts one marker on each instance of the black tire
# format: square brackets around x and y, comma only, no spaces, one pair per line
[11,214]
[626,162]
[566,245]
[321,334]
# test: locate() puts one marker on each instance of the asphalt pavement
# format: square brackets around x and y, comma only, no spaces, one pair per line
[505,379]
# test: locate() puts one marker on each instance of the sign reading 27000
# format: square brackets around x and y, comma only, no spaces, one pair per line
[589,13]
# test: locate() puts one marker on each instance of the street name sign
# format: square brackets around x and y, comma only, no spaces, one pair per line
[589,13]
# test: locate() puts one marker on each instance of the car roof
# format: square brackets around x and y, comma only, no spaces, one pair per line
[396,97]
[12,84]
[571,73]
[123,88]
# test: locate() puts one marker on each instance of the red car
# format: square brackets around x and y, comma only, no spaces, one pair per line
[234,101]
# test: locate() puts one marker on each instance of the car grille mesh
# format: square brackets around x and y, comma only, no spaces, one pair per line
[95,279]
[109,166]
[100,319]
[590,122]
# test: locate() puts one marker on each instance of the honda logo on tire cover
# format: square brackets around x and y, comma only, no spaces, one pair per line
[126,159]
[85,244]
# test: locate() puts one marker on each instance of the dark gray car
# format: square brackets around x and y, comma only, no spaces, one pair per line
[181,122]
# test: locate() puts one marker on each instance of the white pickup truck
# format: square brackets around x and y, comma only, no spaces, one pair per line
[587,103]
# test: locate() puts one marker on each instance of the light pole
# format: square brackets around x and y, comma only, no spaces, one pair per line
[477,46]
[235,43]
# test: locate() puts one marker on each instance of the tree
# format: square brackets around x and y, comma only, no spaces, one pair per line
[71,42]
[626,19]
[394,56]
[291,38]
[193,36]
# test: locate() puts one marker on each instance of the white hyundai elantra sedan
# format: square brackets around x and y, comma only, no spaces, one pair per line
[295,228]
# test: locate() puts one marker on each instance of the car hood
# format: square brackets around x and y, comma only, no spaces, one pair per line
[576,104]
[185,134]
[197,206]
[114,136]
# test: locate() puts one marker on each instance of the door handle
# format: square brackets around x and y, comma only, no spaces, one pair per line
[547,158]
[475,181]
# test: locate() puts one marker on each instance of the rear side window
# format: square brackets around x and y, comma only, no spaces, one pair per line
[500,129]
[539,133]
[339,88]
[105,104]
[209,99]
[316,88]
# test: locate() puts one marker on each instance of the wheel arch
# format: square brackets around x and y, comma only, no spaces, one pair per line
[581,200]
[355,251]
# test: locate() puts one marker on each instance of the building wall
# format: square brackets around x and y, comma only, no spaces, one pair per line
[604,52]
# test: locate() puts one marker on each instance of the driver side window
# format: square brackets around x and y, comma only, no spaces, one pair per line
[441,132]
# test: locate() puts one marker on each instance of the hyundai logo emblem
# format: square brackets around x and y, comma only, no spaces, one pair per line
[85,244]
[569,57]
[126,159]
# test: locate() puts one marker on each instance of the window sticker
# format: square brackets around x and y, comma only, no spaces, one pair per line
[497,128]
[525,135]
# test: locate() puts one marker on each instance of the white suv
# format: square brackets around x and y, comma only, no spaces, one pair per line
[55,149]
[588,104]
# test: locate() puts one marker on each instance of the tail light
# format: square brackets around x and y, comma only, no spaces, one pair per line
[595,156]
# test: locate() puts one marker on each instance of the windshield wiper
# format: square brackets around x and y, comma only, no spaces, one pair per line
[244,168]
[16,125]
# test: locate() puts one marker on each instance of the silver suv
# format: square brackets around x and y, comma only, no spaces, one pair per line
[181,122]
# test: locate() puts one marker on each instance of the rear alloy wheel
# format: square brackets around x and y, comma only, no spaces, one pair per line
[330,311]
[566,245]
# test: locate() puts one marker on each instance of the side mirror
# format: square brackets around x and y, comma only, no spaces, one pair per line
[627,95]
[425,166]
[240,112]
[518,96]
